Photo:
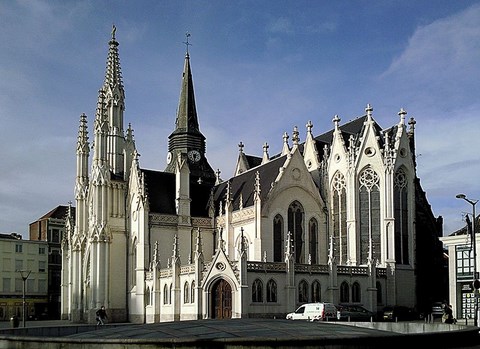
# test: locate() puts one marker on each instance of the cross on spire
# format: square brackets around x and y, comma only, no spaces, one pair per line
[187,35]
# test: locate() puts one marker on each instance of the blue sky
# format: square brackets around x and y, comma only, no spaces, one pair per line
[259,68]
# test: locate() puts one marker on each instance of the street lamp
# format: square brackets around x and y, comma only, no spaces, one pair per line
[474,241]
[25,274]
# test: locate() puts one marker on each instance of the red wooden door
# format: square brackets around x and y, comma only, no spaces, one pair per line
[221,300]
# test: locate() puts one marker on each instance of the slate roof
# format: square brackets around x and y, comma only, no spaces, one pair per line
[59,212]
[162,197]
[243,185]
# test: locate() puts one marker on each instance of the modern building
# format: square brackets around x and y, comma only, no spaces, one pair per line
[461,267]
[50,228]
[338,217]
[23,267]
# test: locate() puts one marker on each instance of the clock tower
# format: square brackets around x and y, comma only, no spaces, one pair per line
[187,139]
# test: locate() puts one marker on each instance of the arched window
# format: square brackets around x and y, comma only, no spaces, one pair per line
[147,297]
[192,299]
[313,240]
[356,296]
[278,238]
[400,201]
[271,291]
[186,292]
[369,210]
[344,293]
[257,291]
[379,293]
[165,294]
[295,227]
[339,213]
[303,292]
[170,294]
[316,292]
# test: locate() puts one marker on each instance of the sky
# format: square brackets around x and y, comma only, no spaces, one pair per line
[259,69]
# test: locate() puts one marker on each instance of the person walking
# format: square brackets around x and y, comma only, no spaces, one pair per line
[101,316]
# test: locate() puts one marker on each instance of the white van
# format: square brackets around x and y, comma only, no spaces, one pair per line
[315,312]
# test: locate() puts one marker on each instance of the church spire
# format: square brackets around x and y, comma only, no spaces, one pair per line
[186,138]
[113,74]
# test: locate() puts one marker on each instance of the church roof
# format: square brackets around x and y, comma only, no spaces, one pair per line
[59,212]
[243,185]
[162,197]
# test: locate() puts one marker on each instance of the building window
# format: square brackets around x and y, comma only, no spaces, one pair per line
[400,201]
[369,209]
[344,293]
[186,292]
[295,227]
[278,238]
[356,296]
[18,248]
[379,293]
[30,285]
[192,294]
[165,294]
[147,297]
[464,259]
[313,230]
[257,291]
[18,285]
[339,213]
[18,264]
[42,285]
[170,294]
[41,250]
[303,292]
[6,285]
[41,266]
[316,292]
[271,291]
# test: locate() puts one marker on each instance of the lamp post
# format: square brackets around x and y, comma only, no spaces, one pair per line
[25,274]
[474,241]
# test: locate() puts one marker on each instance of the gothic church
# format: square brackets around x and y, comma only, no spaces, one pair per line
[329,219]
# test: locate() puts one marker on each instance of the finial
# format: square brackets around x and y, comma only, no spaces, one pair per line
[295,135]
[240,146]
[412,123]
[114,30]
[309,126]
[402,114]
[336,119]
[187,35]
[266,157]
[369,110]
[285,137]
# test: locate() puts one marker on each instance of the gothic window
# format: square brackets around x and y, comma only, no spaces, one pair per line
[339,212]
[192,293]
[303,292]
[369,214]
[295,227]
[165,294]
[401,217]
[344,293]
[186,292]
[257,291]
[313,241]
[356,296]
[278,238]
[379,293]
[170,294]
[271,291]
[316,292]
[147,297]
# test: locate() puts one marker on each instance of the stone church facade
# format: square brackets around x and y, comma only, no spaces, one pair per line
[332,218]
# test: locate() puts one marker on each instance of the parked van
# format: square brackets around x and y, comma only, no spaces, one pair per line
[315,312]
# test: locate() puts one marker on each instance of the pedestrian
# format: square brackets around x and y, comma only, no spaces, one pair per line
[101,316]
[449,319]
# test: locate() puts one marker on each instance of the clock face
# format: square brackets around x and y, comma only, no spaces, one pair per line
[169,157]
[194,155]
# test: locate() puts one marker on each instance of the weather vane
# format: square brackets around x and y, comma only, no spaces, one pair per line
[187,35]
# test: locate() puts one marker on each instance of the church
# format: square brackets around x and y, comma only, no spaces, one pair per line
[336,218]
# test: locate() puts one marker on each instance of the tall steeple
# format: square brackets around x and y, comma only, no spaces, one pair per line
[115,105]
[187,138]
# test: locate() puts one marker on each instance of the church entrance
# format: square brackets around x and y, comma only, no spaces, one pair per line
[221,300]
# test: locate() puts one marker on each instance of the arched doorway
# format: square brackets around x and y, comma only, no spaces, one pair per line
[221,300]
